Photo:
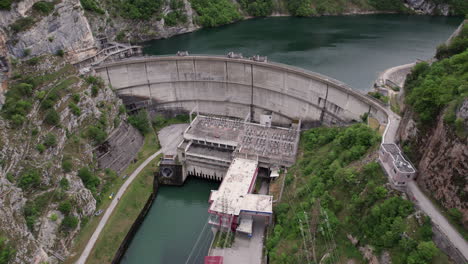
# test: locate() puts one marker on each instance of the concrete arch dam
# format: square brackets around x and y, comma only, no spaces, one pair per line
[236,88]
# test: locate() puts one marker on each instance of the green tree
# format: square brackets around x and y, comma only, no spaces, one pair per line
[140,121]
[302,8]
[423,254]
[214,13]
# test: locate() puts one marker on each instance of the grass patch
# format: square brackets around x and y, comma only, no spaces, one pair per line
[123,216]
[150,146]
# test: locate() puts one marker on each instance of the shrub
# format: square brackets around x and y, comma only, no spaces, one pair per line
[18,103]
[67,165]
[30,178]
[43,7]
[122,109]
[76,98]
[41,148]
[387,5]
[65,207]
[257,7]
[301,8]
[91,5]
[456,215]
[96,134]
[64,184]
[90,180]
[140,121]
[215,12]
[53,217]
[141,9]
[52,117]
[74,109]
[50,140]
[69,223]
[22,24]
[60,53]
[120,36]
[33,61]
[5,4]
[6,251]
[94,90]
[456,46]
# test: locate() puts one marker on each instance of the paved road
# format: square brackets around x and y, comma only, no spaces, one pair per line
[244,250]
[426,205]
[422,201]
[110,209]
[171,136]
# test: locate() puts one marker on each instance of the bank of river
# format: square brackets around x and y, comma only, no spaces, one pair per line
[173,225]
[352,49]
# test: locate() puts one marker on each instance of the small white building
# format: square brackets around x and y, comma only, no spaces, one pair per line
[400,170]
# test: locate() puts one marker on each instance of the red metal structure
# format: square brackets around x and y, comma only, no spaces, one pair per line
[213,260]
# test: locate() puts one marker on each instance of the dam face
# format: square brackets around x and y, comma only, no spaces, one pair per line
[237,88]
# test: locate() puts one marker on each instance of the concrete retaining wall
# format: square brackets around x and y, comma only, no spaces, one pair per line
[237,87]
[120,148]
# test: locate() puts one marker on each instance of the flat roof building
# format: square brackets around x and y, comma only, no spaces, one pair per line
[401,171]
[233,204]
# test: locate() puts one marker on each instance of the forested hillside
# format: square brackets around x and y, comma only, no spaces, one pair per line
[337,206]
[434,131]
[161,18]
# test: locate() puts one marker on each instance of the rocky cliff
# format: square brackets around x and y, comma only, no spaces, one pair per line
[32,32]
[441,158]
[35,179]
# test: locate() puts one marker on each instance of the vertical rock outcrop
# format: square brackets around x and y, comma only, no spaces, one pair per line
[441,158]
[66,28]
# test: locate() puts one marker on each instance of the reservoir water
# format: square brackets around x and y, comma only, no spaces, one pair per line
[352,49]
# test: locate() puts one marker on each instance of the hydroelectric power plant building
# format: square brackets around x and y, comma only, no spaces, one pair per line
[232,151]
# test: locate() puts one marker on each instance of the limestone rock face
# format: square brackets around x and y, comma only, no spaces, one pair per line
[67,29]
[46,241]
[428,7]
[442,160]
[106,25]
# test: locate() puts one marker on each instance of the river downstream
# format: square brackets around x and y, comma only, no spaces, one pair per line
[352,49]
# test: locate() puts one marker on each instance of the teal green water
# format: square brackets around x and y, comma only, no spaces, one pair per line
[173,225]
[352,49]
